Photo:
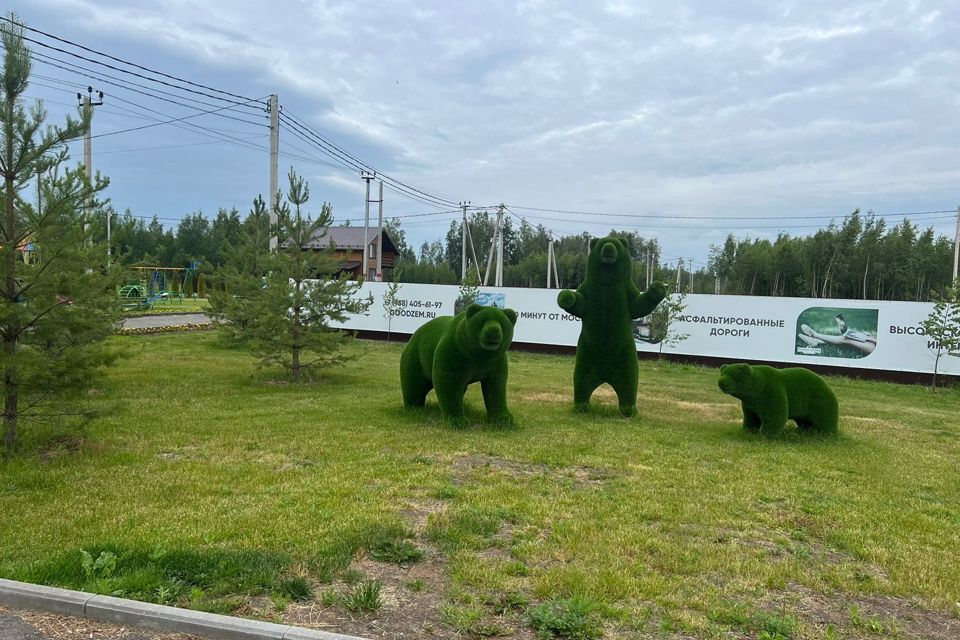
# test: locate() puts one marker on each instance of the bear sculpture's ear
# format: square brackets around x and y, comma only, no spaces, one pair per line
[511,316]
[473,309]
[723,366]
[594,243]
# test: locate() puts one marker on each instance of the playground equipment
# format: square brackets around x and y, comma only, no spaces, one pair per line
[156,284]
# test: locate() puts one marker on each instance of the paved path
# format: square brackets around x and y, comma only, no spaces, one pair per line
[13,628]
[165,320]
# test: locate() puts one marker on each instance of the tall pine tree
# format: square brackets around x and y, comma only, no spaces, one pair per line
[57,297]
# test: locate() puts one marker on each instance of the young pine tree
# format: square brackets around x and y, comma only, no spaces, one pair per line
[942,326]
[57,297]
[283,301]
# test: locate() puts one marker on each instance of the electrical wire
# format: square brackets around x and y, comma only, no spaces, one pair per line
[122,61]
[678,217]
[125,85]
[155,124]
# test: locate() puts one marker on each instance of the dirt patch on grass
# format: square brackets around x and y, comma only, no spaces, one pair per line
[873,422]
[869,616]
[58,627]
[469,464]
[410,596]
[417,512]
[706,410]
[547,397]
[65,445]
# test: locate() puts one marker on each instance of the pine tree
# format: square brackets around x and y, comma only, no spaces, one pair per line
[57,306]
[201,286]
[393,304]
[942,326]
[663,321]
[283,301]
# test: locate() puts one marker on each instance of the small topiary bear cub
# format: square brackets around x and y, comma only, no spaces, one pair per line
[450,352]
[771,396]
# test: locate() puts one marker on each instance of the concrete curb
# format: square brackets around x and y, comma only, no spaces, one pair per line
[154,616]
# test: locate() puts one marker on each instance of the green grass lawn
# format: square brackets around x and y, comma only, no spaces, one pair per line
[212,487]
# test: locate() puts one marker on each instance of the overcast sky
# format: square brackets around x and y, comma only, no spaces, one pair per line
[695,111]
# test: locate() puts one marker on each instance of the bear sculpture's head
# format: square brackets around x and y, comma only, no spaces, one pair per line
[736,380]
[609,260]
[486,329]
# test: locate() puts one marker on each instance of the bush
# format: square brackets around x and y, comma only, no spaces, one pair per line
[571,618]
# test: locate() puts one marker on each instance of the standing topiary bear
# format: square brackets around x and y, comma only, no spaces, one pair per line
[607,302]
[451,352]
[771,396]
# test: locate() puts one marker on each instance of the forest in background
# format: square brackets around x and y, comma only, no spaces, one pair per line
[859,257]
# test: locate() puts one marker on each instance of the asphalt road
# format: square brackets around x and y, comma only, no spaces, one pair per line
[13,628]
[165,320]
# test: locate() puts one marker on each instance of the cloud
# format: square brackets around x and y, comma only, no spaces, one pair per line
[706,107]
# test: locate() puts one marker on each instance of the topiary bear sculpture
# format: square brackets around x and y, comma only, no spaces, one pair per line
[607,302]
[451,352]
[771,396]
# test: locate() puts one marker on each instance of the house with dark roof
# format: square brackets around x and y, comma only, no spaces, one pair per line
[348,243]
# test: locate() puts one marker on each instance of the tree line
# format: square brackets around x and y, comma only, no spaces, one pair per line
[860,257]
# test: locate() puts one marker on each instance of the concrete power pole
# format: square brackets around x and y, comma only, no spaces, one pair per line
[956,247]
[495,244]
[500,249]
[549,264]
[273,105]
[87,103]
[690,263]
[380,235]
[365,260]
[463,240]
[473,250]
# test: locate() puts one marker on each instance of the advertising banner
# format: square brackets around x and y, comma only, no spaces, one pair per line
[841,333]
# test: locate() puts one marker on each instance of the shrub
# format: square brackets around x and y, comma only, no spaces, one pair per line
[364,597]
[572,618]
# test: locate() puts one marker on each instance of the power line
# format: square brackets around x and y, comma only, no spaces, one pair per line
[683,228]
[120,60]
[125,85]
[174,146]
[360,165]
[679,217]
[155,124]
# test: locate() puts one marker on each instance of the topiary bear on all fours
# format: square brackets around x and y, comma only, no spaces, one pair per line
[451,352]
[771,396]
[607,303]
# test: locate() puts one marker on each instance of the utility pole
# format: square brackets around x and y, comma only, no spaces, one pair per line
[549,264]
[365,261]
[500,249]
[679,269]
[473,250]
[273,105]
[556,275]
[552,266]
[463,241]
[956,247]
[495,244]
[87,104]
[380,236]
[690,265]
[646,268]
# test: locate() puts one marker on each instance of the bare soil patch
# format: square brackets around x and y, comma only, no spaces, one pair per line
[869,616]
[59,627]
[465,465]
